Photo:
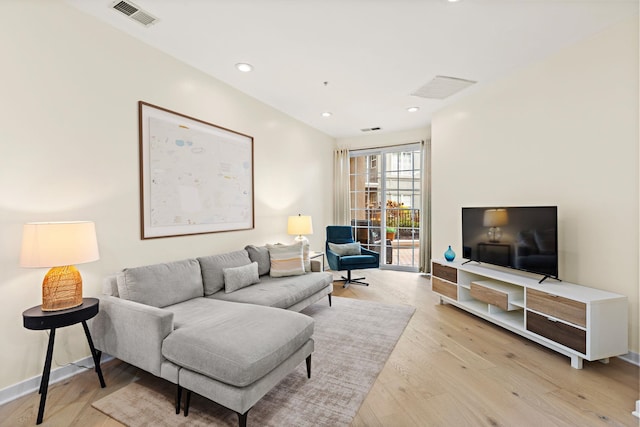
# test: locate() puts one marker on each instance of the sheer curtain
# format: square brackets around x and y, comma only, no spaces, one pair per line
[341,204]
[425,209]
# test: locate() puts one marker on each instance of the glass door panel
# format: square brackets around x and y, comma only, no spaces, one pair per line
[385,204]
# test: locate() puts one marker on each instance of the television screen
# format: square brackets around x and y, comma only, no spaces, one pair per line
[524,238]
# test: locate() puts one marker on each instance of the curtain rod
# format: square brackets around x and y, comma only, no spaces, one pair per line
[385,146]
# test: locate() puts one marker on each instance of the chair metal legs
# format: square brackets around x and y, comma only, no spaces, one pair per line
[349,280]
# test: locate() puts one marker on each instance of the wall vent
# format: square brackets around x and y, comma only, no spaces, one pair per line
[134,12]
[371,129]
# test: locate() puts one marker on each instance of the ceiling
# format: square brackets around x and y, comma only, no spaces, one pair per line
[372,54]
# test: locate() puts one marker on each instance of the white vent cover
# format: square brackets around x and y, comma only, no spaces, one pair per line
[442,87]
[134,12]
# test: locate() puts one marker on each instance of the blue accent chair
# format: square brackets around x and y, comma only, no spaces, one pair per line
[341,234]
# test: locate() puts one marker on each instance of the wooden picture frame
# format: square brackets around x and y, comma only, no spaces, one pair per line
[195,177]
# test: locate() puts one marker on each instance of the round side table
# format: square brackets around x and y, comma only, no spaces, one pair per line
[36,319]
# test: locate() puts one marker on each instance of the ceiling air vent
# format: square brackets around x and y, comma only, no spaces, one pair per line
[134,12]
[370,129]
[442,87]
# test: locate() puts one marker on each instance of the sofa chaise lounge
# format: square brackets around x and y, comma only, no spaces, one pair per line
[221,326]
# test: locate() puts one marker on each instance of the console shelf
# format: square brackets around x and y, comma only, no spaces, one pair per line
[580,322]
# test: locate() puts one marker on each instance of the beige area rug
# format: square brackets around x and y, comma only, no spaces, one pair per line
[353,340]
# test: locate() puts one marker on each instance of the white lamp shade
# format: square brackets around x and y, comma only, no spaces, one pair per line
[495,217]
[300,225]
[54,244]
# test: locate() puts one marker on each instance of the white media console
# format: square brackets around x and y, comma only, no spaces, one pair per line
[577,321]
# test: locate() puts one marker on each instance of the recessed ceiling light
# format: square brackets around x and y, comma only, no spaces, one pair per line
[244,67]
[413,109]
[326,114]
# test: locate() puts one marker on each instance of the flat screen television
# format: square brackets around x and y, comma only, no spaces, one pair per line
[523,237]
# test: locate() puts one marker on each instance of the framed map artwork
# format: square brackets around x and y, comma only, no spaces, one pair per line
[195,177]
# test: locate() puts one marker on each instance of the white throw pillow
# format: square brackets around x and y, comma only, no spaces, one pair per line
[345,248]
[240,277]
[306,259]
[286,260]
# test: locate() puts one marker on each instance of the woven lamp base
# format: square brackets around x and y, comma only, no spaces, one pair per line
[61,289]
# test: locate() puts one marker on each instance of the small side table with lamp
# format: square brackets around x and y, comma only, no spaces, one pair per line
[299,226]
[59,245]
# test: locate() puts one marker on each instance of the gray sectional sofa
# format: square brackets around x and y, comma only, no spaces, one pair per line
[218,325]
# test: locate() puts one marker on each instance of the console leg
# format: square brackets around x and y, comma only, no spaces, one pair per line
[605,361]
[576,362]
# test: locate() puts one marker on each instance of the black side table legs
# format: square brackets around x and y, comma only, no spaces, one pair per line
[96,354]
[36,319]
[44,382]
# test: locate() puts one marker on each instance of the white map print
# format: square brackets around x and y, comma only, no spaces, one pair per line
[198,177]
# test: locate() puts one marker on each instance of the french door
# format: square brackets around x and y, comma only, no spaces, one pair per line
[385,190]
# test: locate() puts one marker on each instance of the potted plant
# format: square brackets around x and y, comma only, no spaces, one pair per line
[391,233]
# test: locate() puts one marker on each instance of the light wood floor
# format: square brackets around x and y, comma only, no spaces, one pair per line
[449,368]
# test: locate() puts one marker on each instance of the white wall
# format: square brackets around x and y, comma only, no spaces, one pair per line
[562,132]
[69,138]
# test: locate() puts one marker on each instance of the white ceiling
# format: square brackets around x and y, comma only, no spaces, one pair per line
[372,53]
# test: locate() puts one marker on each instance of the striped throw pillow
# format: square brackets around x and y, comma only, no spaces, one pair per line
[286,260]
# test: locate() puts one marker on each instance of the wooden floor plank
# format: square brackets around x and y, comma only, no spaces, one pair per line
[449,368]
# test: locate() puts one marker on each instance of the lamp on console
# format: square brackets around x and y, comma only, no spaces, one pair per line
[300,225]
[58,245]
[495,218]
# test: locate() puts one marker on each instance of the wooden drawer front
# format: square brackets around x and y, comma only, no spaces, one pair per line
[562,308]
[490,296]
[559,332]
[445,288]
[445,272]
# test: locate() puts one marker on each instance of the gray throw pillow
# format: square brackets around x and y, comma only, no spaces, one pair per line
[259,254]
[212,268]
[345,248]
[240,277]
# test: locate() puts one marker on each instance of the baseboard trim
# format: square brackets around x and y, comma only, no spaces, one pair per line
[31,385]
[631,357]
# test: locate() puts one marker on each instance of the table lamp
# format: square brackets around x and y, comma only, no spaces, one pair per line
[494,219]
[59,245]
[300,225]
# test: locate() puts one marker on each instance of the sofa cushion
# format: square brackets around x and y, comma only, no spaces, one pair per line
[356,260]
[160,285]
[192,311]
[286,260]
[212,268]
[259,254]
[240,277]
[279,292]
[238,343]
[345,248]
